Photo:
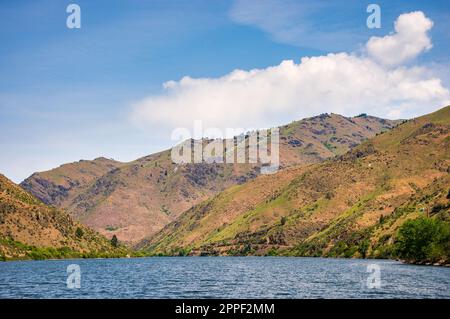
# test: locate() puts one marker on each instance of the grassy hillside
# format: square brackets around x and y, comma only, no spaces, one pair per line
[350,206]
[137,199]
[29,229]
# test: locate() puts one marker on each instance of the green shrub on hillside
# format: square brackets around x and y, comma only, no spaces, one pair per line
[273,252]
[114,241]
[423,239]
[79,232]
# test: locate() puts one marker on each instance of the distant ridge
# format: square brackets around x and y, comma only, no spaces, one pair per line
[137,199]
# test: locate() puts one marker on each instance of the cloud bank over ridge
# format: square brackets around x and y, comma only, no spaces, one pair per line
[375,82]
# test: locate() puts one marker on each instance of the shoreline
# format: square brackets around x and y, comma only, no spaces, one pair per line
[415,263]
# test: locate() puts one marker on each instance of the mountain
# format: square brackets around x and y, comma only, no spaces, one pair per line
[137,199]
[29,229]
[58,186]
[349,206]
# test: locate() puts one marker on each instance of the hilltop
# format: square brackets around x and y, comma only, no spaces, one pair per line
[351,205]
[137,199]
[59,185]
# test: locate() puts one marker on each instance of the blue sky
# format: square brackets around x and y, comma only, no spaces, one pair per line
[69,94]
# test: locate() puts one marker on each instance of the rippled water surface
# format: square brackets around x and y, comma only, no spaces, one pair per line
[222,277]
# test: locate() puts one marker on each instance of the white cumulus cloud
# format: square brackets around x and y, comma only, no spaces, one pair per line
[345,83]
[409,40]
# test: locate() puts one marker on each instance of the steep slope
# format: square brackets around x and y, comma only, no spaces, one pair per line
[137,199]
[30,229]
[351,205]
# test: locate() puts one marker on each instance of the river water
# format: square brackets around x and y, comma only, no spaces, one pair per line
[222,277]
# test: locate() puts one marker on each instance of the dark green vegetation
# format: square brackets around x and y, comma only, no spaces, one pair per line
[25,252]
[423,239]
[114,241]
